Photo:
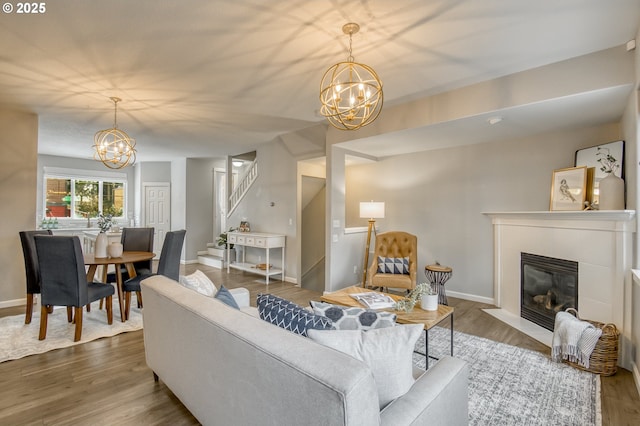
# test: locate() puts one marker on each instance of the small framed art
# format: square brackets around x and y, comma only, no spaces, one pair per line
[568,189]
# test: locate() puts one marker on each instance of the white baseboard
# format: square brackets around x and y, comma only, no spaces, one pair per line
[12,303]
[636,375]
[472,297]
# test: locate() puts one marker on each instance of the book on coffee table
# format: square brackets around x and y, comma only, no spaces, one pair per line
[374,300]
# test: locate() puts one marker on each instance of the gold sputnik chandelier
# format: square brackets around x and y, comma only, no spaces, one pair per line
[114,147]
[350,92]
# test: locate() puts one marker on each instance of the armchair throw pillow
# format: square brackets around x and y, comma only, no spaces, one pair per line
[346,318]
[288,315]
[393,265]
[387,351]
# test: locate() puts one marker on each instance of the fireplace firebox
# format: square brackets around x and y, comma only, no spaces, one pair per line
[548,285]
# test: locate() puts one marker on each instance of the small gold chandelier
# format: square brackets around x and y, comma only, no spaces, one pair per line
[114,147]
[350,93]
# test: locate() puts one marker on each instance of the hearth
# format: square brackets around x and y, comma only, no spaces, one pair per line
[548,285]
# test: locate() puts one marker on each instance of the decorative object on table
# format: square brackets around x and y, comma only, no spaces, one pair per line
[104,223]
[115,249]
[611,188]
[372,211]
[350,92]
[603,359]
[568,189]
[410,301]
[438,275]
[591,156]
[374,300]
[244,226]
[263,266]
[114,147]
[429,300]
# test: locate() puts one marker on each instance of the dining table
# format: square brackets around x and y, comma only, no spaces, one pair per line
[127,259]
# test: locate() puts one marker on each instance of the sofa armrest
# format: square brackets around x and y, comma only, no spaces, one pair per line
[241,296]
[438,397]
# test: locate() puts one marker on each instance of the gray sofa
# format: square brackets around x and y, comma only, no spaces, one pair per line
[231,368]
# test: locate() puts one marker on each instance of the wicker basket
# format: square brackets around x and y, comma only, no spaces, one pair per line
[604,358]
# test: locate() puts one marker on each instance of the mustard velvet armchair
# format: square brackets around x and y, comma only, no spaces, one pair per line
[394,244]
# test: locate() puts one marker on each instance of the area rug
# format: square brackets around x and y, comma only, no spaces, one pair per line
[18,339]
[514,386]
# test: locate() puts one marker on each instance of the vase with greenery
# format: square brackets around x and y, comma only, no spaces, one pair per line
[105,222]
[422,289]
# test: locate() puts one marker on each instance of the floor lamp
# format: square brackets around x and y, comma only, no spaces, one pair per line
[371,210]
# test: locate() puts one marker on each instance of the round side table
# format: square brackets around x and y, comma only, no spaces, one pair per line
[439,275]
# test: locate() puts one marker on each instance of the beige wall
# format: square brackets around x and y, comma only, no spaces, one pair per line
[19,139]
[441,195]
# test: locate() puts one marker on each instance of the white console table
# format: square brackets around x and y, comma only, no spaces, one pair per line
[263,241]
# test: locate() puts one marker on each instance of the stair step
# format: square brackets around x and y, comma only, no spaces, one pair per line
[216,251]
[213,261]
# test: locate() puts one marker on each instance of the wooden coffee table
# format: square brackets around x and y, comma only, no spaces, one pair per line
[417,316]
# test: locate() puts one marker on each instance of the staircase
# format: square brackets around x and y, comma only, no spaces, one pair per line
[245,182]
[214,256]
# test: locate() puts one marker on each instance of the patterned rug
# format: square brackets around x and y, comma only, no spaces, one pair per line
[18,339]
[513,386]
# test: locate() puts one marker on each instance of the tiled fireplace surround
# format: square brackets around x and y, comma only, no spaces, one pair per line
[600,241]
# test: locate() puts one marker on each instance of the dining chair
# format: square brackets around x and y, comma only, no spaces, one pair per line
[168,265]
[31,268]
[135,239]
[64,281]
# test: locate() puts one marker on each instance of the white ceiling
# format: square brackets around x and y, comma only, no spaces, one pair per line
[209,78]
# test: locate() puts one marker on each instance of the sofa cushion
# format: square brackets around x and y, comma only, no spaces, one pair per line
[199,282]
[346,318]
[288,315]
[393,265]
[387,351]
[226,297]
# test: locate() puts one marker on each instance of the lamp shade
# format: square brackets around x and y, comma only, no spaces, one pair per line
[372,209]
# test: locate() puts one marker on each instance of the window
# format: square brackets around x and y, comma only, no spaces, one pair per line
[81,194]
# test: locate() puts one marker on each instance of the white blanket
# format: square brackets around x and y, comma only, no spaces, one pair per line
[573,339]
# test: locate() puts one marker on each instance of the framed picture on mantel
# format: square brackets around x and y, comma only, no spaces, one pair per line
[589,157]
[568,189]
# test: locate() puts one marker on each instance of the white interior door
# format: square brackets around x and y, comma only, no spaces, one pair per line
[157,212]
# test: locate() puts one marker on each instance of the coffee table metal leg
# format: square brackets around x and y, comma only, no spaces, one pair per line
[426,349]
[451,333]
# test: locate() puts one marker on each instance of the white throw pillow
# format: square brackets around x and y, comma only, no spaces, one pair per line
[199,282]
[387,351]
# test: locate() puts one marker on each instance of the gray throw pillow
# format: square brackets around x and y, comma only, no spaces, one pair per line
[346,318]
[226,297]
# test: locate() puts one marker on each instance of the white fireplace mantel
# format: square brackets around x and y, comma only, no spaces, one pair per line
[600,241]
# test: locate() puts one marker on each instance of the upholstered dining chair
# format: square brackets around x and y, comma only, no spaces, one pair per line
[31,268]
[136,239]
[394,261]
[168,265]
[64,281]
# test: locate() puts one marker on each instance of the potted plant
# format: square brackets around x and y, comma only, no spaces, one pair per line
[222,238]
[221,241]
[427,293]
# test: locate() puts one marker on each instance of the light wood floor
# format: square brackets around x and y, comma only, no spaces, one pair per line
[107,381]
